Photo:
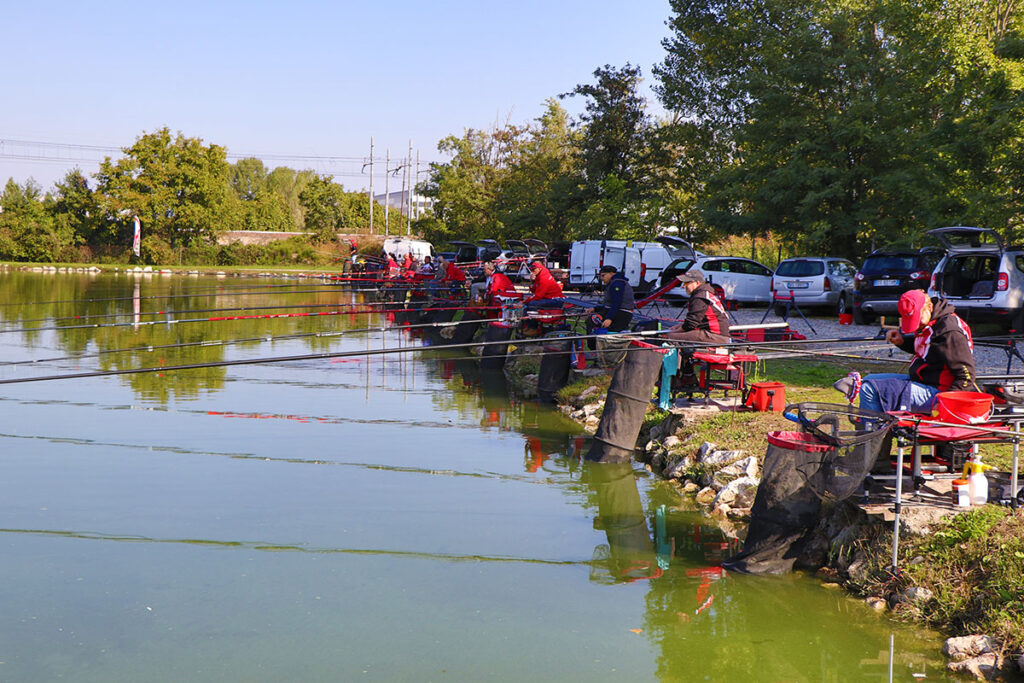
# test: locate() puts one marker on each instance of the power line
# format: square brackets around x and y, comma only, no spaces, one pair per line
[39,150]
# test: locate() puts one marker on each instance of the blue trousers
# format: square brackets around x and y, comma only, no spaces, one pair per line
[883,392]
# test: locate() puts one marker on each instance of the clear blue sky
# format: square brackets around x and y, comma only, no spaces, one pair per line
[299,78]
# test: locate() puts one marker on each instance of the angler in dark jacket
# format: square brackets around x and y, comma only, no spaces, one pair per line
[616,311]
[943,357]
[706,318]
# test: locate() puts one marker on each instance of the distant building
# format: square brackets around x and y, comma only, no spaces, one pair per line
[398,201]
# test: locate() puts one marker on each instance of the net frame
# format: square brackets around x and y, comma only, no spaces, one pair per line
[834,460]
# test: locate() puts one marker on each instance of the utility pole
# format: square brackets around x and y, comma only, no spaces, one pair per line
[417,178]
[387,190]
[408,214]
[402,195]
[371,184]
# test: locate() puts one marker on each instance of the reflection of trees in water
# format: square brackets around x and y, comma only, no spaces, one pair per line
[67,295]
[708,625]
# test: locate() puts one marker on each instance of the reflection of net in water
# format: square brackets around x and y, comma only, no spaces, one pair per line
[832,461]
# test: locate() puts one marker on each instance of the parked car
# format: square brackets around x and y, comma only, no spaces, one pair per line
[885,275]
[815,282]
[524,251]
[735,279]
[980,276]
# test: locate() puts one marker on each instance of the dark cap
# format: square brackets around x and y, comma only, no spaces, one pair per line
[692,275]
[608,269]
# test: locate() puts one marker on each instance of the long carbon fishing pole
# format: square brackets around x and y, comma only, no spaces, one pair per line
[154,297]
[382,304]
[263,338]
[227,318]
[376,352]
[299,357]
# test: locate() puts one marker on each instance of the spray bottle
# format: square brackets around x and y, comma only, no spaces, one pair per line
[977,483]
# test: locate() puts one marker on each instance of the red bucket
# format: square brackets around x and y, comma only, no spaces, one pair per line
[846,318]
[963,407]
[767,396]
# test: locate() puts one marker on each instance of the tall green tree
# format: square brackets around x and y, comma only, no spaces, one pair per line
[75,208]
[464,189]
[260,207]
[178,186]
[538,195]
[835,123]
[288,184]
[27,229]
[614,155]
[323,202]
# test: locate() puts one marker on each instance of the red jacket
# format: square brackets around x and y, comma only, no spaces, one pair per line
[500,285]
[453,273]
[545,286]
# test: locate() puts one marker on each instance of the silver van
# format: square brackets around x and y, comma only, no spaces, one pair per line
[815,282]
[980,276]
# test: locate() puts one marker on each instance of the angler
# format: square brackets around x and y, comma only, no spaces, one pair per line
[616,310]
[706,318]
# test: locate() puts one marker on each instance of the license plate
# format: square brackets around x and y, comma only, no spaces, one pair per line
[886,283]
[797,285]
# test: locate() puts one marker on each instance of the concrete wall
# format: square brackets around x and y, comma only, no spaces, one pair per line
[267,236]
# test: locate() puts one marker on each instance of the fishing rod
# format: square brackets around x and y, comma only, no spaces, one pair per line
[633,336]
[181,296]
[292,358]
[122,314]
[226,318]
[264,338]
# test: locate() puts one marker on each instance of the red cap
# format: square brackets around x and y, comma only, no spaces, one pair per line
[909,307]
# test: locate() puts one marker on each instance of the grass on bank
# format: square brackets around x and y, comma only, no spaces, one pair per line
[973,563]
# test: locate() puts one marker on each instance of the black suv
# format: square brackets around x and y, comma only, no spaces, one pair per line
[885,275]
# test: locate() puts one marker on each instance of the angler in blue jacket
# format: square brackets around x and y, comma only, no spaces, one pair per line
[616,311]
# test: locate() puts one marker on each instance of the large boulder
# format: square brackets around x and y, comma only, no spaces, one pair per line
[716,459]
[738,493]
[964,647]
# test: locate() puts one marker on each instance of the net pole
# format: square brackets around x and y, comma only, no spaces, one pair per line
[1016,456]
[899,501]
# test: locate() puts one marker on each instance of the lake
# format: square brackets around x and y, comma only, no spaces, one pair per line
[396,517]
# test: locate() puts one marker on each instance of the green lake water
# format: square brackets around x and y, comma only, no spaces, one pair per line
[381,518]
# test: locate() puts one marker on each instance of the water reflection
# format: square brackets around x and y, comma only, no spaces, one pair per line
[706,623]
[431,501]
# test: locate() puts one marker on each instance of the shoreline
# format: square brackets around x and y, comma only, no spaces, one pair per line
[849,550]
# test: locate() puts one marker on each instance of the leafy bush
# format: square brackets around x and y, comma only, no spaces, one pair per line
[156,251]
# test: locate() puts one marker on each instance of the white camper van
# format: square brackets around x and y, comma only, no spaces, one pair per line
[400,246]
[640,262]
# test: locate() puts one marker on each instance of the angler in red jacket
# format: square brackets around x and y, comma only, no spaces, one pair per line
[453,278]
[545,288]
[452,273]
[498,284]
[943,358]
[706,318]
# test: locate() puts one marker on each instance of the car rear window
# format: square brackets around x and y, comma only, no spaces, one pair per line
[800,268]
[879,264]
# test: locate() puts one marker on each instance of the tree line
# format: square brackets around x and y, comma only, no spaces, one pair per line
[185,193]
[832,125]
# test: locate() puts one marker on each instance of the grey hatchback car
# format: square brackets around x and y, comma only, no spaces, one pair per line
[825,282]
[980,276]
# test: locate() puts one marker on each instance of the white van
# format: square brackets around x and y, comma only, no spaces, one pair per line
[400,246]
[640,262]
